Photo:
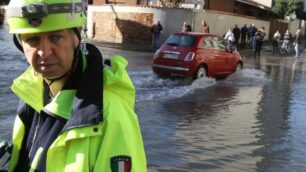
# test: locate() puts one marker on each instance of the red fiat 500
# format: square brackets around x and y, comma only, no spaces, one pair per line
[195,55]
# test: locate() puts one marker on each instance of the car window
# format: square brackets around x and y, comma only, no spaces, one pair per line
[181,40]
[207,43]
[215,43]
[220,43]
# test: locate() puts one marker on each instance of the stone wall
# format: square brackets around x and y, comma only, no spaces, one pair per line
[132,24]
[122,27]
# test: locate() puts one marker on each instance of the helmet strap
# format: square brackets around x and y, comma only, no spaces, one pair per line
[84,40]
[72,69]
[17,42]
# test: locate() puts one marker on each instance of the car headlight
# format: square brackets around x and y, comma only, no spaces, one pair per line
[189,56]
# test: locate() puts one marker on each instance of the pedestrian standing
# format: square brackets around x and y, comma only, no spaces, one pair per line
[75,114]
[287,38]
[249,34]
[253,37]
[259,36]
[156,31]
[236,32]
[275,41]
[230,39]
[186,27]
[297,42]
[205,27]
[244,32]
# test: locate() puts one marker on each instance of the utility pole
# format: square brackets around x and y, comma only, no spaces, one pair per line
[198,5]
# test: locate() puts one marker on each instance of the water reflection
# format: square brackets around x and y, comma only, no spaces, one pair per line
[213,130]
[12,64]
[278,118]
[252,121]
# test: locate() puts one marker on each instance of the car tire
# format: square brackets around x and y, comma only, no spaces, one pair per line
[238,67]
[201,72]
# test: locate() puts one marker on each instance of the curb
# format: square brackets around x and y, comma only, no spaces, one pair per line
[123,46]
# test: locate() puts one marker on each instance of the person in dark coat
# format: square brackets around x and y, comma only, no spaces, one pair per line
[236,32]
[259,37]
[156,30]
[243,32]
[186,27]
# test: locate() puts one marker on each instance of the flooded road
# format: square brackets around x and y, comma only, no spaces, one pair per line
[254,120]
[251,121]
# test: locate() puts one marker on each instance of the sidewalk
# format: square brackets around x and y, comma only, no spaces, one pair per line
[147,48]
[124,46]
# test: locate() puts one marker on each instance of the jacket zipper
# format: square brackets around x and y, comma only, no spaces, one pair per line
[35,134]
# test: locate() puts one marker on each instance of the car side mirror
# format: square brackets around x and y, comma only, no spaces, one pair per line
[230,48]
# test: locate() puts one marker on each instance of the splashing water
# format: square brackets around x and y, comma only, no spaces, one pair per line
[150,87]
[247,77]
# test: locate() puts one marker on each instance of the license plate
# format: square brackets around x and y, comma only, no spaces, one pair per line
[171,56]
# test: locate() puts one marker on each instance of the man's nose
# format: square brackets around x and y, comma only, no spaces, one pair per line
[45,47]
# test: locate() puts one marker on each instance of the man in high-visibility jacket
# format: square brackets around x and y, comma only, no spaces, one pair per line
[74,115]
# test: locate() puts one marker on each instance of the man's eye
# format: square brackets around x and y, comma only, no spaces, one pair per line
[32,40]
[55,38]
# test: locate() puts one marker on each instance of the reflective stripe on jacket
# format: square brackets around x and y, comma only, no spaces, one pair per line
[90,147]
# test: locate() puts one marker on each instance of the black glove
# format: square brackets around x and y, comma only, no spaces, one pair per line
[5,155]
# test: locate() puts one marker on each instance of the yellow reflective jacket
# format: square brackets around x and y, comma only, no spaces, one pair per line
[90,148]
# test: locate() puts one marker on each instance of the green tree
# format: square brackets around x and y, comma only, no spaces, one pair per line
[296,6]
[280,8]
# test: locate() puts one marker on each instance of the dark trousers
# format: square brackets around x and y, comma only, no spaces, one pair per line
[243,39]
[258,47]
[155,40]
[275,46]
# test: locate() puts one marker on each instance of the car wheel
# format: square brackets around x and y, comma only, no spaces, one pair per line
[238,67]
[201,72]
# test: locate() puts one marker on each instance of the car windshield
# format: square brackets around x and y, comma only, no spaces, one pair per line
[181,40]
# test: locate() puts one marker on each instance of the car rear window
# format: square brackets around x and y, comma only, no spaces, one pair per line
[181,40]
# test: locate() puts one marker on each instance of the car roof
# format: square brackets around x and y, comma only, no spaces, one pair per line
[197,34]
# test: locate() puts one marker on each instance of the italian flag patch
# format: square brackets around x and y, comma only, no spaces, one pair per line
[121,164]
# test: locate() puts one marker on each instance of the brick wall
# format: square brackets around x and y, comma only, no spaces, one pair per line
[98,2]
[123,27]
[222,5]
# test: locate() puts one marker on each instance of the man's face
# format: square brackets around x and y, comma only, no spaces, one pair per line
[50,53]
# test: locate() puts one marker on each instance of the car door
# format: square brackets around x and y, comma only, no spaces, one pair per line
[219,58]
[206,54]
[204,51]
[227,56]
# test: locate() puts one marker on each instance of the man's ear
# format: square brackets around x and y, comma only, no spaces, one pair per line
[76,41]
[75,38]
